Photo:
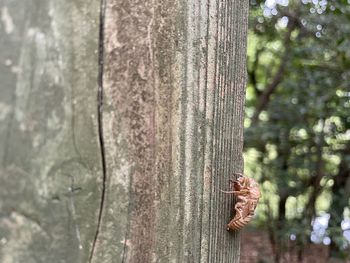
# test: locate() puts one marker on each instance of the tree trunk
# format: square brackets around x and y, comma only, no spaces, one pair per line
[340,199]
[120,121]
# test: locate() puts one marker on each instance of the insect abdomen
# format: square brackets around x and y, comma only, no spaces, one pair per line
[237,224]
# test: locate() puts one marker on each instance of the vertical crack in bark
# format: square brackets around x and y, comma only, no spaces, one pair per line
[100,124]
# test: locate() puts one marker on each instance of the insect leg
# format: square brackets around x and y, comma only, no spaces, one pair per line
[228,192]
[243,192]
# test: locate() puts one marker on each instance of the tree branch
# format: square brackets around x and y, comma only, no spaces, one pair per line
[252,72]
[264,98]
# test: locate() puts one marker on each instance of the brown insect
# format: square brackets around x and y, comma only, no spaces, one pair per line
[247,192]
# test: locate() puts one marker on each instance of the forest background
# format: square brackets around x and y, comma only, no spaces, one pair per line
[297,127]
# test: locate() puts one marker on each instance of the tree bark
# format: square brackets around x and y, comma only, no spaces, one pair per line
[121,121]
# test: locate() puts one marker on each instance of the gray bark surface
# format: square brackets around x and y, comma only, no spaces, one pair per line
[120,121]
[50,177]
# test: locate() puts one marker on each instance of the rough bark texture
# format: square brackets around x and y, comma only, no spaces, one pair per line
[120,121]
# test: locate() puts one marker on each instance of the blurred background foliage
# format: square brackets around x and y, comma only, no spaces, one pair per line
[297,126]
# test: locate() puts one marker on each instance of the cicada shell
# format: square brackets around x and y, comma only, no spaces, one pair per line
[247,192]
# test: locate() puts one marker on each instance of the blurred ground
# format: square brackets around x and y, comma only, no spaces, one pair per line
[256,248]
